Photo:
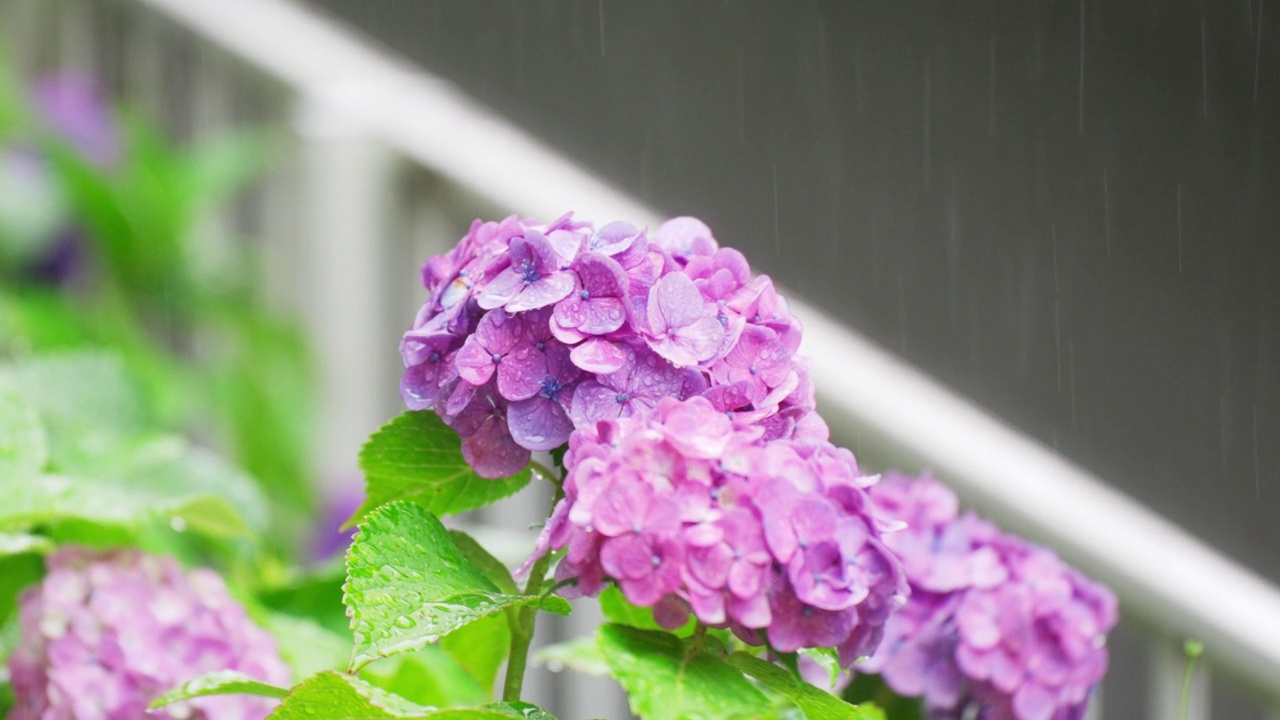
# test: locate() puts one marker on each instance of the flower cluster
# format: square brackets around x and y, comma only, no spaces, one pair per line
[106,633]
[530,331]
[689,510]
[994,626]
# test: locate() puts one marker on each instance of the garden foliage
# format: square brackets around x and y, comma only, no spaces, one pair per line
[747,566]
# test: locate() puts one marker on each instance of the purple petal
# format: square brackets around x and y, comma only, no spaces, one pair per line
[675,302]
[627,556]
[541,293]
[520,374]
[602,315]
[492,452]
[598,355]
[539,423]
[593,402]
[475,363]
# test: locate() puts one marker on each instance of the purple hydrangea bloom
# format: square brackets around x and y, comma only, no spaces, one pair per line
[106,633]
[689,511]
[530,331]
[995,628]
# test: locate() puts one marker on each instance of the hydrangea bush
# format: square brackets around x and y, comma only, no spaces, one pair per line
[104,634]
[657,385]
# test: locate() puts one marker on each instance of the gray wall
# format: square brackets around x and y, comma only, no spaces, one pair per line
[1066,210]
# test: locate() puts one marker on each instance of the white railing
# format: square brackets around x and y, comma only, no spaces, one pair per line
[387,165]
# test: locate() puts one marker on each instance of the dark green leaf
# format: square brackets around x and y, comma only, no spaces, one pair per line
[871,688]
[408,585]
[417,457]
[670,679]
[221,682]
[816,704]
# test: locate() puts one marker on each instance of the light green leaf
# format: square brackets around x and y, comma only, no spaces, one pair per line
[20,543]
[408,585]
[221,682]
[480,647]
[581,655]
[307,646]
[428,677]
[334,696]
[417,457]
[24,449]
[488,565]
[669,679]
[85,401]
[816,704]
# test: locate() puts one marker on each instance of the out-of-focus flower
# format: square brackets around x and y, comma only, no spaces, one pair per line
[996,628]
[106,633]
[532,330]
[33,214]
[690,511]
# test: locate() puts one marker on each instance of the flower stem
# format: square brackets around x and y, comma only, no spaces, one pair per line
[521,620]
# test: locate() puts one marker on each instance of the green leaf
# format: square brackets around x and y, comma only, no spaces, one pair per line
[480,648]
[86,402]
[670,679]
[581,655]
[816,704]
[24,449]
[417,457]
[334,696]
[307,646]
[408,585]
[428,677]
[868,688]
[221,682]
[488,565]
[619,609]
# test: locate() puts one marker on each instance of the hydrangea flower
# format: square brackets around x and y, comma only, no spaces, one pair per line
[690,511]
[106,633]
[531,330]
[996,628]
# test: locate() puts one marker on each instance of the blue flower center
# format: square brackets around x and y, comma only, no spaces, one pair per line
[807,612]
[655,560]
[540,345]
[623,397]
[496,357]
[753,369]
[551,388]
[529,272]
[585,294]
[434,356]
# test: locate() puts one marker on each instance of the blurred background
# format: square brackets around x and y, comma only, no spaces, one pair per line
[1066,212]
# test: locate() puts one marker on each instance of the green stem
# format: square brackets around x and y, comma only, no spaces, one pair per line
[1193,649]
[521,620]
[546,472]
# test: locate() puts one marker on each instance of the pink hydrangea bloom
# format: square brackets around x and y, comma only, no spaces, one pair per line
[996,628]
[106,633]
[531,330]
[691,511]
